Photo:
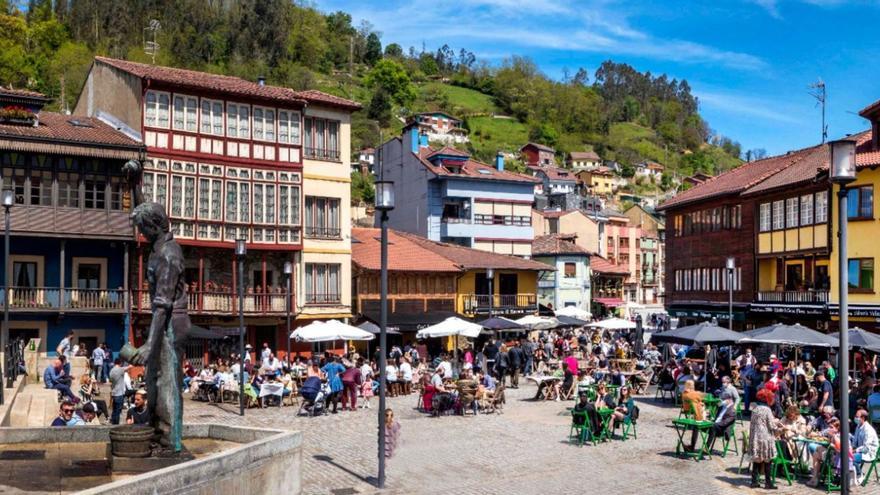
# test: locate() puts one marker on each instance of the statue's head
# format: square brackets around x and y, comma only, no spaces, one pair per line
[151,220]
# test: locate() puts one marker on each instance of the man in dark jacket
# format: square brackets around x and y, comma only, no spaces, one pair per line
[490,350]
[515,358]
[528,348]
[726,416]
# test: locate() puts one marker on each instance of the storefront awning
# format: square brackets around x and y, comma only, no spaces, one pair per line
[609,302]
[411,322]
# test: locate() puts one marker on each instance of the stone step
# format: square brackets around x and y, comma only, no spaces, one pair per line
[37,412]
[18,416]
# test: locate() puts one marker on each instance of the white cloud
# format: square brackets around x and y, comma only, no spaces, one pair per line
[749,106]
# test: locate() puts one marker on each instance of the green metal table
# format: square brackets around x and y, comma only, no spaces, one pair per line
[683,425]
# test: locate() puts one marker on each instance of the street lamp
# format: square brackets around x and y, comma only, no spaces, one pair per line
[240,253]
[843,171]
[490,276]
[384,204]
[731,267]
[8,201]
[288,272]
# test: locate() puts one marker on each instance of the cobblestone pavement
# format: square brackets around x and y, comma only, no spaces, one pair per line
[522,451]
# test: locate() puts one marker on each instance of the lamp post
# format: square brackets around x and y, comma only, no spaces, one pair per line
[843,171]
[490,276]
[384,204]
[8,201]
[240,253]
[731,267]
[288,272]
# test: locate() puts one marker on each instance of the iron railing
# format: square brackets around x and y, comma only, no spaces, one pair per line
[67,299]
[322,154]
[793,296]
[316,232]
[479,303]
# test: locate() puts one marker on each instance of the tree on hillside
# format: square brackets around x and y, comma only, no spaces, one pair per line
[389,76]
[373,49]
[393,50]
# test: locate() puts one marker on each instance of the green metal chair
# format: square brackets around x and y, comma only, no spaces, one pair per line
[739,412]
[745,451]
[580,428]
[781,461]
[730,439]
[872,468]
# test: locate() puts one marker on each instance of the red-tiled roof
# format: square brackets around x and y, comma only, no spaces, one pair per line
[468,258]
[583,155]
[554,173]
[804,170]
[736,180]
[599,264]
[472,169]
[555,244]
[21,93]
[553,213]
[403,254]
[538,146]
[70,129]
[866,156]
[227,84]
[449,151]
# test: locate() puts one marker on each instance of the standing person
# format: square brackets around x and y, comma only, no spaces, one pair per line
[762,442]
[490,350]
[351,380]
[826,391]
[502,364]
[515,360]
[528,349]
[65,348]
[392,433]
[406,375]
[108,361]
[333,369]
[265,354]
[98,364]
[117,389]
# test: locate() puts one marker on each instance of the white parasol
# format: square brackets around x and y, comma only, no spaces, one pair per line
[326,331]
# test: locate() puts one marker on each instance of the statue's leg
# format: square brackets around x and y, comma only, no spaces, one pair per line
[169,407]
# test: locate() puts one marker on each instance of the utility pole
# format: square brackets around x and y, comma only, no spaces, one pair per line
[817,91]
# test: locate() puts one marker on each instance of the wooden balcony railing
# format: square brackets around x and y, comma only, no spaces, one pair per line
[68,299]
[219,303]
[479,303]
[793,296]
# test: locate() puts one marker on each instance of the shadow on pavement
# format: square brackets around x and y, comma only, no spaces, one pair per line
[329,460]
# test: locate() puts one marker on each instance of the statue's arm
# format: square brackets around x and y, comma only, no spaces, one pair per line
[134,171]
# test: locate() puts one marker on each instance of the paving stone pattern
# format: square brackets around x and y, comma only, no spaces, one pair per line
[522,451]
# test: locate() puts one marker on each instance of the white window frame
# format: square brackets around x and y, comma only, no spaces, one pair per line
[792,213]
[183,195]
[185,121]
[806,209]
[212,117]
[820,213]
[157,109]
[261,124]
[779,215]
[293,120]
[766,217]
[240,132]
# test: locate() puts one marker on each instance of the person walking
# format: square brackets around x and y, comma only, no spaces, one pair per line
[528,349]
[762,441]
[98,364]
[515,360]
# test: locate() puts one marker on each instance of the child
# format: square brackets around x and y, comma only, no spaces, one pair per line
[366,392]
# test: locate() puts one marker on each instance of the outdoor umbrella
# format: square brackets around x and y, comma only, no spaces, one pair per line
[613,324]
[499,323]
[327,331]
[574,312]
[701,333]
[795,335]
[860,339]
[374,329]
[533,322]
[452,326]
[568,321]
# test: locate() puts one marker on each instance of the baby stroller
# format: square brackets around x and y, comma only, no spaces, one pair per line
[313,393]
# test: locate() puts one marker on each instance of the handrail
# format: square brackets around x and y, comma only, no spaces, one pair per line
[55,298]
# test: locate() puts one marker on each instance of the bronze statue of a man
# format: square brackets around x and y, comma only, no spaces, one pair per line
[169,326]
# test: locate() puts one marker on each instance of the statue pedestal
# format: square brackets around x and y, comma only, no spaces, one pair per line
[136,465]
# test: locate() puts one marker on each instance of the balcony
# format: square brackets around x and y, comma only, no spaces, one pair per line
[501,304]
[793,296]
[221,303]
[452,219]
[315,232]
[322,154]
[54,299]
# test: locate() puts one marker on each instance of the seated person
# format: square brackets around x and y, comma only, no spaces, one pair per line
[604,400]
[692,401]
[793,426]
[563,388]
[832,436]
[723,420]
[310,388]
[85,416]
[584,379]
[138,414]
[581,406]
[820,422]
[864,442]
[625,406]
[55,378]
[65,414]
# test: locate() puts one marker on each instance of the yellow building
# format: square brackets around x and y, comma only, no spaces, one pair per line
[863,247]
[324,269]
[600,180]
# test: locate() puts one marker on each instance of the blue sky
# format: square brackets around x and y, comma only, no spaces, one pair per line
[749,61]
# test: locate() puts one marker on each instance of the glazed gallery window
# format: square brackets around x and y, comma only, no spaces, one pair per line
[791,212]
[860,202]
[288,205]
[210,195]
[778,215]
[861,274]
[288,127]
[185,115]
[765,217]
[183,196]
[238,121]
[822,207]
[807,209]
[264,203]
[212,117]
[264,124]
[322,283]
[156,109]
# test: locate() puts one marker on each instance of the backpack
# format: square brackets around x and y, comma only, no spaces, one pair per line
[634,415]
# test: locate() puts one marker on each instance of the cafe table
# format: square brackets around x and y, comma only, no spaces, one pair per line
[803,444]
[683,425]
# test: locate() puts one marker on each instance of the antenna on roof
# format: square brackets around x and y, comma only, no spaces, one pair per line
[817,91]
[151,47]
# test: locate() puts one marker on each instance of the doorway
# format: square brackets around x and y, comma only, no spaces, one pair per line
[268,334]
[794,277]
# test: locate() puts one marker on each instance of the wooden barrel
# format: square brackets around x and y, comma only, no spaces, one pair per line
[131,440]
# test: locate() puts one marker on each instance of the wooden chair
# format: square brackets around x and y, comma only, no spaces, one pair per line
[293,397]
[571,392]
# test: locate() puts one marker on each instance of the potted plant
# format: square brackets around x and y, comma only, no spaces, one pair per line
[17,115]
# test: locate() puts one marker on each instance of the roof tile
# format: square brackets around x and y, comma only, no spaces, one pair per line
[469,258]
[555,244]
[69,129]
[403,254]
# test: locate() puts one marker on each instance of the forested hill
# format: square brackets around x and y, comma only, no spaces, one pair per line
[621,113]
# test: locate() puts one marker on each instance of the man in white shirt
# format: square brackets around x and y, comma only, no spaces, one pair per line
[446,365]
[864,442]
[727,387]
[65,348]
[98,364]
[407,372]
[266,354]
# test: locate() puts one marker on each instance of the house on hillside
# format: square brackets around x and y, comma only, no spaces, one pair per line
[366,162]
[440,127]
[445,195]
[583,160]
[697,179]
[538,155]
[569,283]
[554,180]
[598,180]
[650,169]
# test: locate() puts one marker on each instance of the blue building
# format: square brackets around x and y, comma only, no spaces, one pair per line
[445,195]
[70,231]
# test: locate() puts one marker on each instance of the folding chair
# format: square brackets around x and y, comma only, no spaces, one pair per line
[745,452]
[780,460]
[628,425]
[872,468]
[730,439]
[580,429]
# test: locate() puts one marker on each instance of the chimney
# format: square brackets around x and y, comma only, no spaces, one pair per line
[414,139]
[499,162]
[261,80]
